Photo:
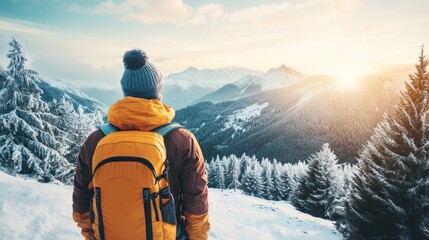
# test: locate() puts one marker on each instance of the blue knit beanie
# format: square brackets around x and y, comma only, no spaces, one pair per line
[140,79]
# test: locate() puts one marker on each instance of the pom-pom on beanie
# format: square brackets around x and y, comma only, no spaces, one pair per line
[140,79]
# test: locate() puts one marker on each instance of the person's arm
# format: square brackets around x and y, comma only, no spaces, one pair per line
[193,178]
[81,192]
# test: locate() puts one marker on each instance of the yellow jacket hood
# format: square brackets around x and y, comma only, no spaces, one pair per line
[132,113]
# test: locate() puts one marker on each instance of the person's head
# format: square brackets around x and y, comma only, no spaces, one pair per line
[140,78]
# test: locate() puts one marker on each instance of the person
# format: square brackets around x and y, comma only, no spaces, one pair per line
[142,109]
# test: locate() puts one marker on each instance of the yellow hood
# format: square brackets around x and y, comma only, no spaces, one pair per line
[132,113]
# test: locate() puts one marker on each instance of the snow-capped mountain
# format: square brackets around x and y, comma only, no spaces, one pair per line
[280,77]
[212,78]
[274,78]
[181,89]
[43,212]
[290,123]
[57,90]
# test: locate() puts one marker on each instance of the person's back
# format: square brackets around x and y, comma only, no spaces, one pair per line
[142,110]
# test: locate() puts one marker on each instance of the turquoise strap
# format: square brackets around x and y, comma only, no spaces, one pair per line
[107,128]
[167,128]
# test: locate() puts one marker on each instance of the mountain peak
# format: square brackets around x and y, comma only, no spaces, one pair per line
[191,69]
[285,69]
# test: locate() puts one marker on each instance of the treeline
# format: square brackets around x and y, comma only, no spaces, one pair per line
[317,187]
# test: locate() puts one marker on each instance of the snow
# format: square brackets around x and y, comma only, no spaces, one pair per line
[237,216]
[239,117]
[32,210]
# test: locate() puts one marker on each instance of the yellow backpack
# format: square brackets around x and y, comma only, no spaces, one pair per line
[132,198]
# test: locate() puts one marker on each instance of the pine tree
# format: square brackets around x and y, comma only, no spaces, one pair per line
[29,143]
[315,188]
[267,180]
[281,183]
[337,200]
[4,78]
[244,163]
[228,166]
[219,174]
[210,174]
[285,185]
[251,182]
[75,123]
[234,166]
[390,191]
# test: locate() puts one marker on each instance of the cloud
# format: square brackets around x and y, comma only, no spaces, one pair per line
[144,11]
[177,12]
[11,25]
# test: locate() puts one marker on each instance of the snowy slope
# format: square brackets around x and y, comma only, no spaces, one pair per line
[237,216]
[241,116]
[32,210]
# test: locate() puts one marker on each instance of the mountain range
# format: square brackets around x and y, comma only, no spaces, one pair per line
[291,123]
[183,88]
[248,85]
[280,114]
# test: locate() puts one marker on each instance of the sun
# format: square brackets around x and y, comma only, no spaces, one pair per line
[347,78]
[347,81]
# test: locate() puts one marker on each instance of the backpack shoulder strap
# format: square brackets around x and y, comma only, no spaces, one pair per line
[107,128]
[164,130]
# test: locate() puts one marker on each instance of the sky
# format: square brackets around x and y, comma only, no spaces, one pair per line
[82,42]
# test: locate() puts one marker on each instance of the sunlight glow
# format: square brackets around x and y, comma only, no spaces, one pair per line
[347,77]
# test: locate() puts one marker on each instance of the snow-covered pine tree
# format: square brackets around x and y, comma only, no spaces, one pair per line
[315,188]
[286,186]
[244,163]
[277,192]
[4,78]
[219,174]
[281,183]
[251,182]
[210,174]
[228,167]
[337,200]
[77,124]
[234,166]
[390,191]
[338,209]
[29,144]
[267,180]
[295,172]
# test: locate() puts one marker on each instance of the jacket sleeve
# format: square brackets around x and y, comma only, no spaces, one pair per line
[193,178]
[82,192]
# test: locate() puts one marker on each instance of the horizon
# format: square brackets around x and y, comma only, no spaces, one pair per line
[70,41]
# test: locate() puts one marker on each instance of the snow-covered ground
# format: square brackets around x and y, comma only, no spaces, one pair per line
[32,210]
[241,116]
